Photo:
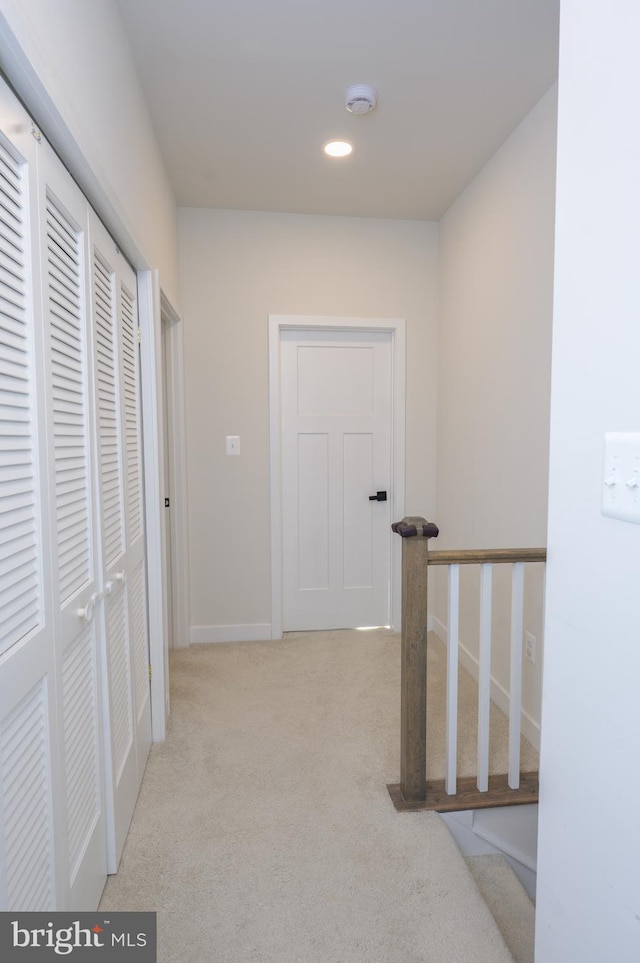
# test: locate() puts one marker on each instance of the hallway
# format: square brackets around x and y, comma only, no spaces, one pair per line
[264,830]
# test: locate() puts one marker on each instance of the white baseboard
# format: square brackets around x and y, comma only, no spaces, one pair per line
[461,827]
[256,632]
[513,829]
[529,727]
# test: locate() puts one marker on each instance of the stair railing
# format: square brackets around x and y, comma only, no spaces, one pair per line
[452,793]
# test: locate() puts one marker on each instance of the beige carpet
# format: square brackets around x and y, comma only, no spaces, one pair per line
[512,909]
[264,831]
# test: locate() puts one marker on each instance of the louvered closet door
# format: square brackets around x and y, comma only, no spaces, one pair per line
[135,535]
[29,793]
[123,561]
[74,527]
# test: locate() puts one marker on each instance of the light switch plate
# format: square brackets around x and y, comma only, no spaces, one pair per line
[621,476]
[233,444]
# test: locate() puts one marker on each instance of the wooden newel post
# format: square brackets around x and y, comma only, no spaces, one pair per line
[415,533]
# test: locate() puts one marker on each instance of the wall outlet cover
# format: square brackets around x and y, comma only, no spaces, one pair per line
[530,647]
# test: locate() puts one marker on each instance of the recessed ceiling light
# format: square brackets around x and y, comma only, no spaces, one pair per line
[338,148]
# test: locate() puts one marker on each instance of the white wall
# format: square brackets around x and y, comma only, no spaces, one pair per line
[71,60]
[496,282]
[236,268]
[588,905]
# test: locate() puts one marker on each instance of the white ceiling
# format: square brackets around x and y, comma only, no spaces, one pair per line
[244,93]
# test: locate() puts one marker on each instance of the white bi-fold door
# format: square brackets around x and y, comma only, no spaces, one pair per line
[117,381]
[31,784]
[336,458]
[74,572]
[74,690]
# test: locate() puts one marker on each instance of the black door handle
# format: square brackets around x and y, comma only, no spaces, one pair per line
[378,497]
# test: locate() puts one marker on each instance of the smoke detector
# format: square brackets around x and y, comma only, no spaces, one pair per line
[361,98]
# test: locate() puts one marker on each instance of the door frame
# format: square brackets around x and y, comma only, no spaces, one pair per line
[149,319]
[397,329]
[177,464]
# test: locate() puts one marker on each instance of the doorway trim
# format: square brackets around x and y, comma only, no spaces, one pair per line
[396,328]
[177,462]
[153,453]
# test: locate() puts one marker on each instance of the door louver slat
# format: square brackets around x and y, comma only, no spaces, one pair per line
[131,413]
[139,629]
[120,681]
[79,698]
[68,364]
[24,768]
[21,549]
[105,322]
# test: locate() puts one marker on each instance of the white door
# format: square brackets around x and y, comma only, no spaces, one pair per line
[120,475]
[336,457]
[28,726]
[75,526]
[74,680]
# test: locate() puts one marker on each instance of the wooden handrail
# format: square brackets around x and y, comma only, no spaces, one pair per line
[479,556]
[413,791]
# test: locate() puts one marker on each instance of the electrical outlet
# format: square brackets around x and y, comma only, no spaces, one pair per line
[232,444]
[530,647]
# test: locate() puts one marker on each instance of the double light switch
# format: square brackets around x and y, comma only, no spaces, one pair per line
[621,479]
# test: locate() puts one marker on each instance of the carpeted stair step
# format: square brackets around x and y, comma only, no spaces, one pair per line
[510,905]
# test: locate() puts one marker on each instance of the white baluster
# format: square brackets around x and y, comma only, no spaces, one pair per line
[452,678]
[484,677]
[515,681]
